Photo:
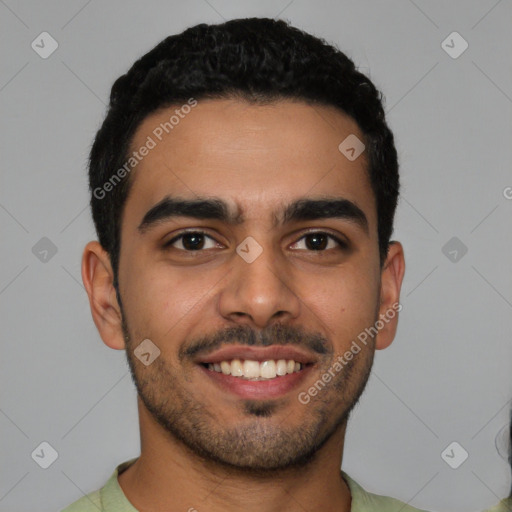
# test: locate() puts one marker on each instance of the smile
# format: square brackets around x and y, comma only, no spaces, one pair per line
[256,370]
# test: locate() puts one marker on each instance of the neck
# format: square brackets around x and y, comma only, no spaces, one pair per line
[168,476]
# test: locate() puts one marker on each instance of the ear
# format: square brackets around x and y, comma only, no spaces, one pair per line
[98,278]
[391,282]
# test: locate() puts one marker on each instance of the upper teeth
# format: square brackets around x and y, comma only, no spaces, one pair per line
[256,370]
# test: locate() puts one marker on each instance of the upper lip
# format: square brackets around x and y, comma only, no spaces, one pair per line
[275,352]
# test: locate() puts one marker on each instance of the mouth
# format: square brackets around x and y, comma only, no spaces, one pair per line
[257,372]
[252,370]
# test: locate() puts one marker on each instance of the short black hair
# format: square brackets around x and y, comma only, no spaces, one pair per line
[259,60]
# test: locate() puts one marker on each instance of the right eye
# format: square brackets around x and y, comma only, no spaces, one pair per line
[191,241]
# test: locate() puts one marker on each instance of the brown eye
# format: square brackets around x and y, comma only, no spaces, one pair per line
[192,241]
[321,241]
[317,241]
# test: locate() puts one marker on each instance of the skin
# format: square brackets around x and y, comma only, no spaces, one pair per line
[256,158]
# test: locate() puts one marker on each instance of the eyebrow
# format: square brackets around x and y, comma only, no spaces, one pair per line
[217,209]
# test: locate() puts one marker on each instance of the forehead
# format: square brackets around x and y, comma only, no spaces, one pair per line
[254,156]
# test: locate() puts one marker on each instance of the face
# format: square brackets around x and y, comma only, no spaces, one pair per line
[249,257]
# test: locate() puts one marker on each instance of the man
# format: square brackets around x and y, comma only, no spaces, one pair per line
[244,185]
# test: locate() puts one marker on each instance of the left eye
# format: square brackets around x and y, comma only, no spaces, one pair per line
[320,241]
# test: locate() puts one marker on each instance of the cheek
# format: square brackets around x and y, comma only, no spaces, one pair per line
[345,304]
[159,300]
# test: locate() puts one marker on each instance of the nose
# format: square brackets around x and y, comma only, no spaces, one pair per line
[259,292]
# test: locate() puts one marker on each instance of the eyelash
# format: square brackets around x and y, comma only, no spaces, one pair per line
[342,245]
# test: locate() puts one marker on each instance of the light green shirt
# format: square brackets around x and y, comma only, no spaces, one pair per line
[503,506]
[111,498]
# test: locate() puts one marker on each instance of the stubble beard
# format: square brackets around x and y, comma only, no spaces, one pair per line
[257,445]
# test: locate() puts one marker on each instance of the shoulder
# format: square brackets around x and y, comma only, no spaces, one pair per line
[364,501]
[89,503]
[110,497]
[504,505]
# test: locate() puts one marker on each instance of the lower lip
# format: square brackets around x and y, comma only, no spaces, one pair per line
[258,389]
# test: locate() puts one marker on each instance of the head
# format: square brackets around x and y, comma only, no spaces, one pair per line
[230,218]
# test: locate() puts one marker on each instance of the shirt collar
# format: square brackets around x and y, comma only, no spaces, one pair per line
[113,498]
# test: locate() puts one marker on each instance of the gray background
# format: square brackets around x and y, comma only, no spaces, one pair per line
[447,376]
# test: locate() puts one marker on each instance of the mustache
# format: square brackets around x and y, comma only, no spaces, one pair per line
[277,334]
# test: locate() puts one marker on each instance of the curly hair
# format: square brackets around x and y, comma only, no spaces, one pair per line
[259,60]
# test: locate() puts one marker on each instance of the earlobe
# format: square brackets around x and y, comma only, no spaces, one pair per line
[391,282]
[97,276]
